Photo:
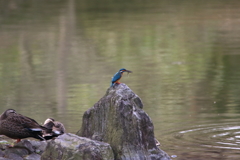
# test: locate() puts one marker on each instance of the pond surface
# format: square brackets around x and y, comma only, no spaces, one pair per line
[58,57]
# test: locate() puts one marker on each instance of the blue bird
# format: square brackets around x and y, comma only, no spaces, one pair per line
[118,76]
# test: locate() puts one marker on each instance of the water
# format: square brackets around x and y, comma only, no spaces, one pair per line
[58,57]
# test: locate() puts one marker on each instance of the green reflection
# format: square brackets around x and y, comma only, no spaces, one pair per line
[58,57]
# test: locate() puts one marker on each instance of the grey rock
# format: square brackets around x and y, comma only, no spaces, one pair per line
[14,156]
[1,153]
[3,158]
[33,156]
[70,146]
[4,144]
[25,149]
[118,119]
[18,151]
[39,146]
[25,144]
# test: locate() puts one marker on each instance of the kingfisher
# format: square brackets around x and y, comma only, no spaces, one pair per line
[118,76]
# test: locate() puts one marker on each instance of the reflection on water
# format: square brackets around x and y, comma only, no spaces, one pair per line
[218,140]
[58,57]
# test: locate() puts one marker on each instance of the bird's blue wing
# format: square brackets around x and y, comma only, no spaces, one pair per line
[116,77]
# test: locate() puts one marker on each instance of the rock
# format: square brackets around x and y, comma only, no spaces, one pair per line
[4,144]
[18,151]
[25,144]
[3,158]
[25,149]
[118,119]
[14,156]
[33,156]
[39,146]
[1,153]
[70,146]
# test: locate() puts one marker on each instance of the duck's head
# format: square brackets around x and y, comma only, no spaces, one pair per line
[49,120]
[7,113]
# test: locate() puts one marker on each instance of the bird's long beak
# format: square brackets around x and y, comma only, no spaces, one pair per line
[128,71]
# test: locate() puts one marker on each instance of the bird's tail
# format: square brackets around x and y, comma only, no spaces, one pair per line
[52,135]
[38,132]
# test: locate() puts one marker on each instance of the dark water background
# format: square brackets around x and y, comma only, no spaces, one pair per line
[57,59]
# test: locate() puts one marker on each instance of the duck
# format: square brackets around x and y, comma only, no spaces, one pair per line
[17,126]
[56,127]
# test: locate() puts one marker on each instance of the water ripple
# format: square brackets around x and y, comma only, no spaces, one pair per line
[224,136]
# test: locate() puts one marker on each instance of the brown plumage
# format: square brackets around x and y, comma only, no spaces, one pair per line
[56,127]
[17,126]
